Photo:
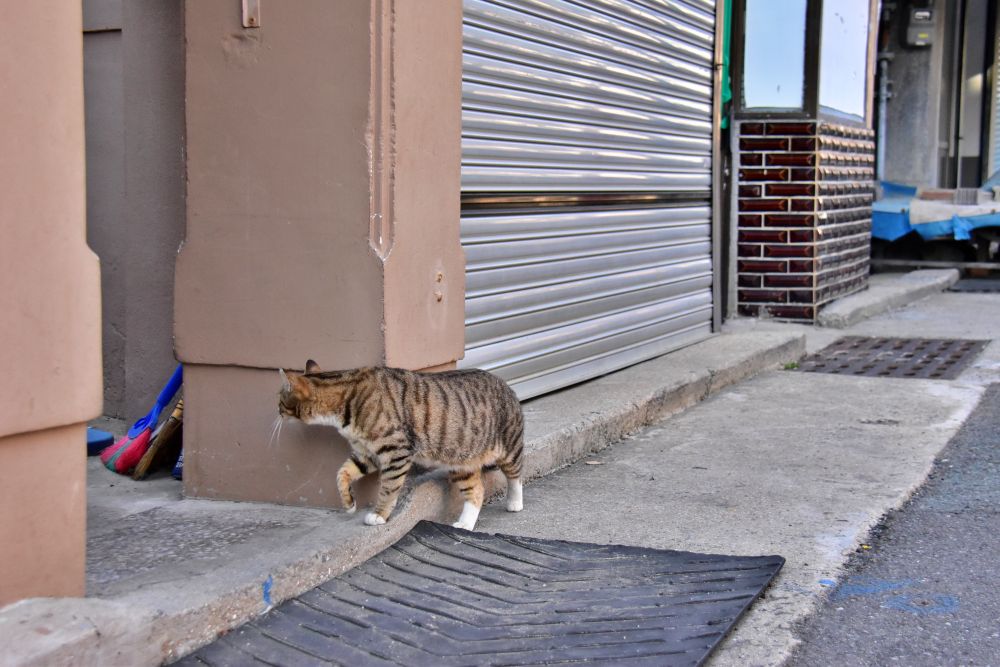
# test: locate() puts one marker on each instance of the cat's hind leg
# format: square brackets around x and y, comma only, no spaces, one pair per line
[511,467]
[515,494]
[470,485]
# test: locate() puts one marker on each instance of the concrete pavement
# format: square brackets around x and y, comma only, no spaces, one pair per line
[802,465]
[168,574]
[924,592]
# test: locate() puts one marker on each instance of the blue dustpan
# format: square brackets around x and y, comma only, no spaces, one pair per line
[97,440]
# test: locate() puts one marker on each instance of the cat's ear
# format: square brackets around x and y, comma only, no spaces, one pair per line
[285,383]
[312,367]
[298,384]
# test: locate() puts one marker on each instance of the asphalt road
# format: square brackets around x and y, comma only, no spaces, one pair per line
[925,592]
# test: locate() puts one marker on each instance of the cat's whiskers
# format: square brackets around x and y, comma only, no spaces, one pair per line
[274,430]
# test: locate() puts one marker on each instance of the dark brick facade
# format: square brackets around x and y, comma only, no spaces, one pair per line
[804,193]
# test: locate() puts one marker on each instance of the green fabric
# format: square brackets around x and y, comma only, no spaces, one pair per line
[727,89]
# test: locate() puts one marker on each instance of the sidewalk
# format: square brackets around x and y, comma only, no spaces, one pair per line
[798,464]
[167,575]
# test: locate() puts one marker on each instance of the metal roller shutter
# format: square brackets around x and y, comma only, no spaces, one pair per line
[586,179]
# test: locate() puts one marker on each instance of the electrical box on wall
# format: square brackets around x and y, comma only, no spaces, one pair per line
[920,21]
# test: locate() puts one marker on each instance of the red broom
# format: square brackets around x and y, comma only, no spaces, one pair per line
[127,452]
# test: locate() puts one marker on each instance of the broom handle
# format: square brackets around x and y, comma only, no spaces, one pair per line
[173,384]
[167,393]
[170,424]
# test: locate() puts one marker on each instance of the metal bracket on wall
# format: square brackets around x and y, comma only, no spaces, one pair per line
[251,13]
[380,140]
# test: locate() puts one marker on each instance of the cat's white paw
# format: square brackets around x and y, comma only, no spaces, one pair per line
[352,509]
[373,519]
[515,495]
[470,514]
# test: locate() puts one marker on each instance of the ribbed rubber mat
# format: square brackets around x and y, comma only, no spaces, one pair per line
[921,358]
[443,596]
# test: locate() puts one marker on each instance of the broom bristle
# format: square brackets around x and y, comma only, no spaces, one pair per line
[124,454]
[131,453]
[110,452]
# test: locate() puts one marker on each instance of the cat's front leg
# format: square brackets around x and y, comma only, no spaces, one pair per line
[395,458]
[354,468]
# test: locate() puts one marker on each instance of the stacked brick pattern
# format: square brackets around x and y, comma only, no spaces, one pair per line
[804,192]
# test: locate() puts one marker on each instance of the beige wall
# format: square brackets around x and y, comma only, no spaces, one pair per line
[50,332]
[153,213]
[323,158]
[106,231]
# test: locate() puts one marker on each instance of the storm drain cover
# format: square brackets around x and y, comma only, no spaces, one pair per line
[443,596]
[976,285]
[935,358]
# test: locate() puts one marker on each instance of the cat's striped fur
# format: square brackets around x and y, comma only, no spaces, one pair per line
[459,420]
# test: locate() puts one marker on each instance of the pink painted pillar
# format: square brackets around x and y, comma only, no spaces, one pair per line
[50,328]
[323,160]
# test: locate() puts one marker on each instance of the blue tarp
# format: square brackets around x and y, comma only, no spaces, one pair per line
[891,218]
[891,213]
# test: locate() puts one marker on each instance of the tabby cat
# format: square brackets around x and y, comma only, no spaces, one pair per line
[459,420]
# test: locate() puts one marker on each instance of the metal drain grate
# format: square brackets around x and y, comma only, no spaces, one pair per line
[935,358]
[976,285]
[442,596]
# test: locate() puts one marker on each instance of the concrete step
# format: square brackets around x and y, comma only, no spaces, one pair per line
[885,292]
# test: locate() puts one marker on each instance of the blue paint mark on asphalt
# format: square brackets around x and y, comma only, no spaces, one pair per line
[923,604]
[266,587]
[867,588]
[913,603]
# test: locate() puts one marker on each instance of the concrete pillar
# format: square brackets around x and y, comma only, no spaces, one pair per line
[134,96]
[915,143]
[152,49]
[50,328]
[323,153]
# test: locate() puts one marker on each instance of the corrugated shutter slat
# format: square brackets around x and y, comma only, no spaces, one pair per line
[586,97]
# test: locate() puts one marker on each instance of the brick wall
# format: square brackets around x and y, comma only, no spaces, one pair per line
[804,194]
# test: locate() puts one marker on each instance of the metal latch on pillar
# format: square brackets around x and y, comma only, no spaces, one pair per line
[251,13]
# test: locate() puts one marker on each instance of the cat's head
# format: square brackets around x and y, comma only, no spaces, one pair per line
[300,397]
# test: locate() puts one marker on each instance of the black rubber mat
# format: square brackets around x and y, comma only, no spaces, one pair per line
[443,596]
[926,358]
